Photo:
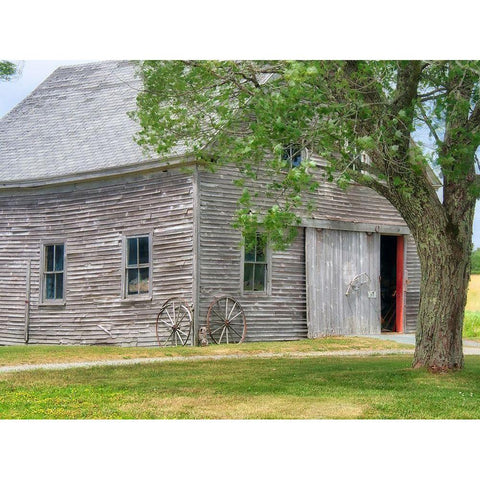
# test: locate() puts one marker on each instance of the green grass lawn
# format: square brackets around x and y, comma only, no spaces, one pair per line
[341,387]
[34,354]
[246,388]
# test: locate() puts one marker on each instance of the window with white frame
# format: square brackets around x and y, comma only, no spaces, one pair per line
[53,272]
[138,265]
[255,265]
[293,155]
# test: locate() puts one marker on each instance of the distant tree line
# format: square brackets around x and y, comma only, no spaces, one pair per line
[476,261]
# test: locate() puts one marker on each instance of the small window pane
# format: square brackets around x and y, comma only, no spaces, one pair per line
[248,276]
[132,252]
[143,286]
[143,250]
[49,258]
[59,285]
[132,281]
[59,257]
[50,286]
[250,255]
[296,159]
[259,285]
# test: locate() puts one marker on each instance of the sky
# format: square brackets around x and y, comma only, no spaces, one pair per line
[35,72]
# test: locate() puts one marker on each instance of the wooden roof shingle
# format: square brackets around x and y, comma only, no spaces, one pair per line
[74,123]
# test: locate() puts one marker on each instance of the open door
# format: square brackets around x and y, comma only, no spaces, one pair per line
[391,283]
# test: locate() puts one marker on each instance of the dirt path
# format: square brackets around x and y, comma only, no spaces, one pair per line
[196,358]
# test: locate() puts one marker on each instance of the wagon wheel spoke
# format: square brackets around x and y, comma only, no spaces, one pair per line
[181,318]
[223,331]
[233,330]
[168,324]
[185,334]
[233,308]
[165,343]
[217,329]
[171,319]
[235,316]
[226,321]
[219,316]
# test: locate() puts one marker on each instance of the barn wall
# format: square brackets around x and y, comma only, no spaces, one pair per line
[281,314]
[92,218]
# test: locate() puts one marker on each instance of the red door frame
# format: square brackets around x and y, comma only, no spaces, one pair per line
[400,284]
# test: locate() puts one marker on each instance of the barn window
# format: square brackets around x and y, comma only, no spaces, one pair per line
[293,154]
[255,265]
[138,265]
[53,272]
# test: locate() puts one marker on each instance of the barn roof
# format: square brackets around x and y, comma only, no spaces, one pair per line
[74,124]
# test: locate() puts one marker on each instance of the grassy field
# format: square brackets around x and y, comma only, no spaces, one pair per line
[250,388]
[473,299]
[34,354]
[375,387]
[471,323]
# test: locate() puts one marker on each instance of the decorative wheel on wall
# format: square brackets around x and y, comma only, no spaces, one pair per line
[174,320]
[226,322]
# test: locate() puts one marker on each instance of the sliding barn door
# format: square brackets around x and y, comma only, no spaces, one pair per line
[343,269]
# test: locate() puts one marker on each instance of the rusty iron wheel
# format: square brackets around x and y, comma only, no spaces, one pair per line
[174,323]
[226,322]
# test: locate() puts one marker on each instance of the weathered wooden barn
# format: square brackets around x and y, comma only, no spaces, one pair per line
[95,237]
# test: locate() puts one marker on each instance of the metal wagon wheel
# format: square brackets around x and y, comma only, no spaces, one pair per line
[226,322]
[174,317]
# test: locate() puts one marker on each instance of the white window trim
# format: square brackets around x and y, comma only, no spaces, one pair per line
[268,279]
[141,296]
[43,301]
[302,151]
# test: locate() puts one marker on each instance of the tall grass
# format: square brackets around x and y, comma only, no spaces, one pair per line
[471,322]
[473,299]
[471,325]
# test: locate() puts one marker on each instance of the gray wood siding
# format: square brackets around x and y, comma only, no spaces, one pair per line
[342,267]
[280,315]
[412,294]
[92,219]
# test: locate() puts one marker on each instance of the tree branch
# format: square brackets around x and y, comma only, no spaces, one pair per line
[430,125]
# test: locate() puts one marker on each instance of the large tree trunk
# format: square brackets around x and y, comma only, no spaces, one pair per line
[442,303]
[445,265]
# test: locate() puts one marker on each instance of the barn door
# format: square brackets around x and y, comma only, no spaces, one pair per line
[343,269]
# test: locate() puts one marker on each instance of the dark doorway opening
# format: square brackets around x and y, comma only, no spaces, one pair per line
[389,276]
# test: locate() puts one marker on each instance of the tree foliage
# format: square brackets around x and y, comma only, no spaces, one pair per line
[8,70]
[246,112]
